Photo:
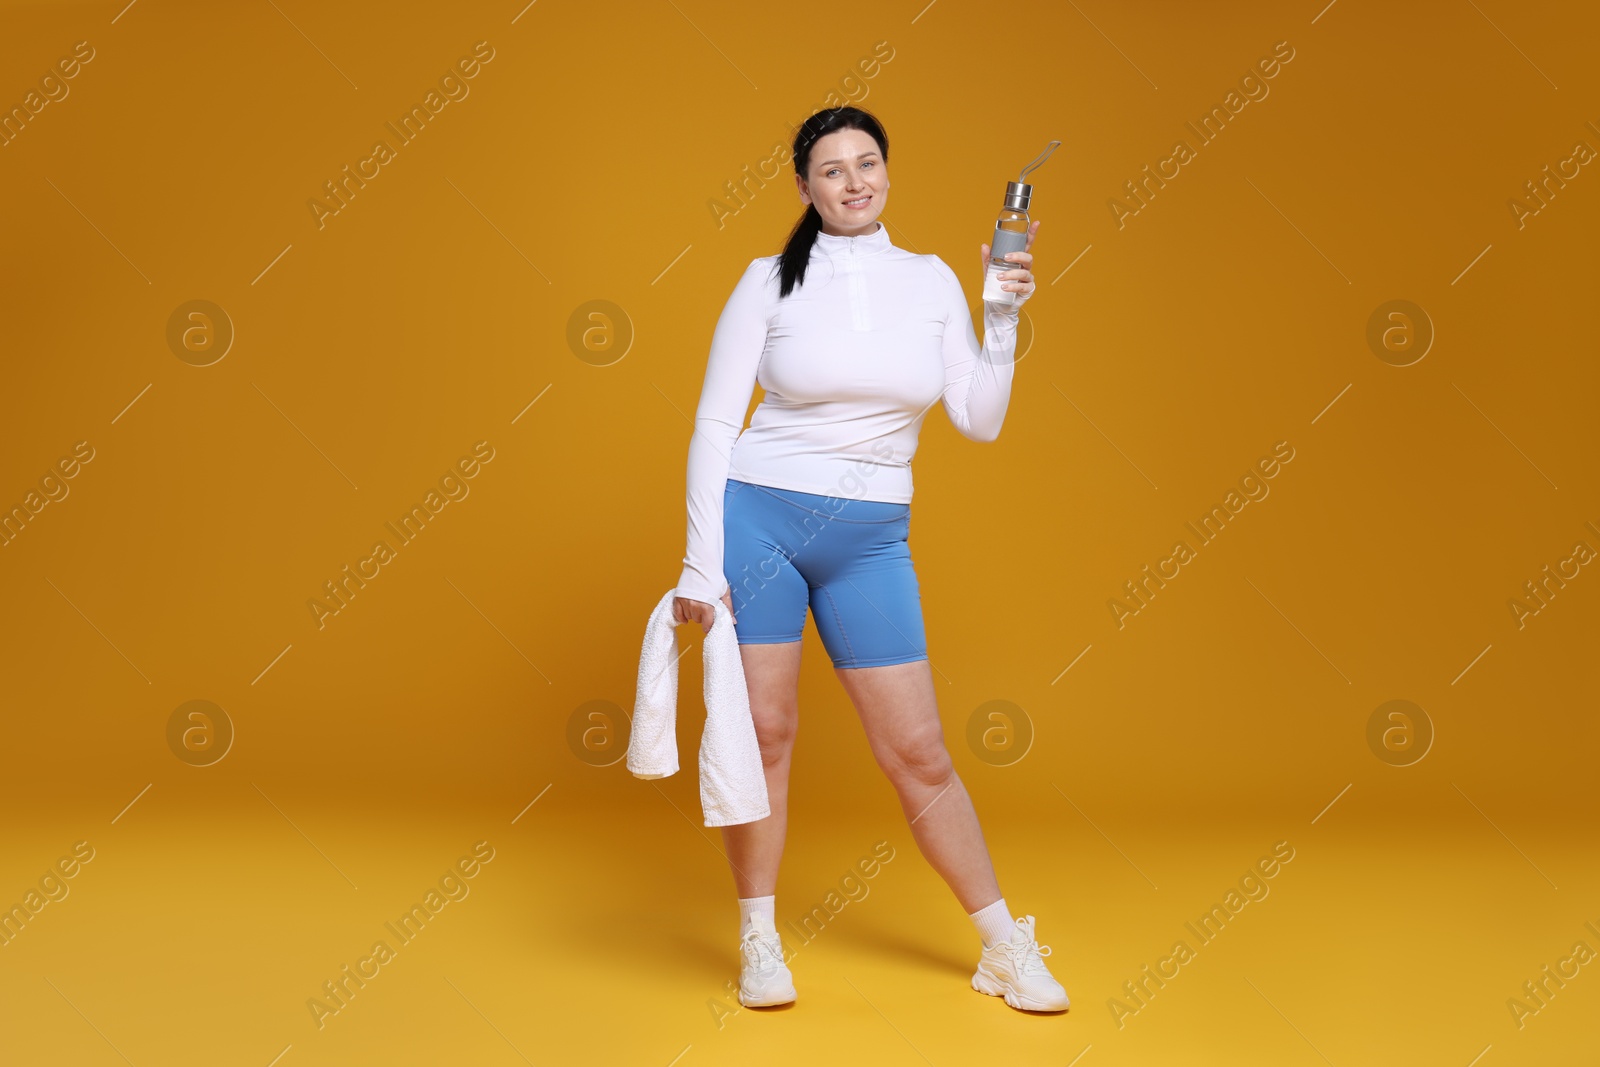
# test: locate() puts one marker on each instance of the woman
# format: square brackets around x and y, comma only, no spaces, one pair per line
[854,340]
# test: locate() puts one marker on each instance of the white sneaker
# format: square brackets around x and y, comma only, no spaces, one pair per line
[1014,970]
[764,979]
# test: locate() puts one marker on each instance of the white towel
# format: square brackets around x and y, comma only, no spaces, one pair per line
[733,783]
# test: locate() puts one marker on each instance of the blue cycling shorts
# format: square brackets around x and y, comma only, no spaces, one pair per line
[848,559]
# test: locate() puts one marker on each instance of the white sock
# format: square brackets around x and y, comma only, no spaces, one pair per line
[753,906]
[994,923]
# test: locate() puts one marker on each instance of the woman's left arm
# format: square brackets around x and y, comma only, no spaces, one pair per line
[978,375]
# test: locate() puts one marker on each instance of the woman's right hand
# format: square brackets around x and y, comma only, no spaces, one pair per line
[684,609]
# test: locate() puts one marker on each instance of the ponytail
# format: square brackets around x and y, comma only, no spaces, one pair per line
[797,250]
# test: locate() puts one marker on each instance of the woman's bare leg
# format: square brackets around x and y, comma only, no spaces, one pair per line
[900,711]
[772,674]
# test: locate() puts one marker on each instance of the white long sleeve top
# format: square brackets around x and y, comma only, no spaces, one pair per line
[851,361]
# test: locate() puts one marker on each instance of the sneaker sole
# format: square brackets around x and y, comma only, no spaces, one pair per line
[983,983]
[767,1002]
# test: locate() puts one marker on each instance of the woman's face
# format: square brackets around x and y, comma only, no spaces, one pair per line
[848,181]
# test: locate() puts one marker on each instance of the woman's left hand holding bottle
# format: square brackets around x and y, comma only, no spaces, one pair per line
[1020,278]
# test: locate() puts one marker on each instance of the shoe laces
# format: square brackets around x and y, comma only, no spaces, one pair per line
[1028,954]
[760,953]
[1028,960]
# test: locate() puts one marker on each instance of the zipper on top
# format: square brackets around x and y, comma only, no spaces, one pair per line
[860,318]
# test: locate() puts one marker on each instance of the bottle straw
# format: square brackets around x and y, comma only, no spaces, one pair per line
[1042,157]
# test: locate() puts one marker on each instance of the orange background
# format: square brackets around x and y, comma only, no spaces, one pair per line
[1167,354]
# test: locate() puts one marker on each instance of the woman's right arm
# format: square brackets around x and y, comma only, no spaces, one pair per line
[736,348]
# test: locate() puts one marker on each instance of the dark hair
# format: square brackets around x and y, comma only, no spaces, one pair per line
[797,249]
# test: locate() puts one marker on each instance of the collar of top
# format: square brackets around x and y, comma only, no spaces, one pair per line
[836,247]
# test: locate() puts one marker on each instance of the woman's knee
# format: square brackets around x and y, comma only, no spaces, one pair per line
[918,761]
[775,730]
[772,677]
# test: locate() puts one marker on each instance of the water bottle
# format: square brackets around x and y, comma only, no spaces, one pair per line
[1011,233]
